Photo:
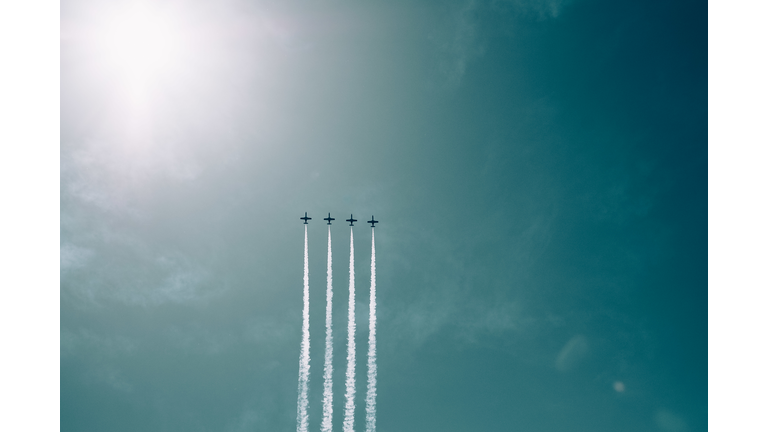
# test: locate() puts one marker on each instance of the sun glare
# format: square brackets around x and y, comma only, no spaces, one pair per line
[154,67]
[141,45]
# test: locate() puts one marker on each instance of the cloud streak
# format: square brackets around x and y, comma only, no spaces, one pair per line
[302,418]
[349,406]
[327,424]
[370,399]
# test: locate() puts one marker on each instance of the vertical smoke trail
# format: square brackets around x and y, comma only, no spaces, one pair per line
[370,399]
[349,407]
[327,424]
[302,418]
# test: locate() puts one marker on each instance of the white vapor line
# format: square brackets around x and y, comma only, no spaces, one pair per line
[349,407]
[302,418]
[327,424]
[370,399]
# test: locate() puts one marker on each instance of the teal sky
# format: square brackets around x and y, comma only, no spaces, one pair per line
[539,169]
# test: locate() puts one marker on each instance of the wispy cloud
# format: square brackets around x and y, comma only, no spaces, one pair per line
[457,43]
[196,338]
[541,9]
[574,351]
[448,295]
[248,420]
[669,421]
[427,315]
[112,377]
[81,342]
[111,178]
[71,256]
[102,352]
[503,317]
[133,272]
[459,40]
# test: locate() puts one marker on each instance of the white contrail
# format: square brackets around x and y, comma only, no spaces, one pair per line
[370,399]
[349,407]
[327,424]
[302,418]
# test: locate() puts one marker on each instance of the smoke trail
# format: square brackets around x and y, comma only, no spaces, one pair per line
[370,399]
[349,407]
[327,424]
[302,418]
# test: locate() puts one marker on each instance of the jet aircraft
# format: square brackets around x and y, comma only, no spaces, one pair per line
[305,218]
[329,219]
[372,222]
[351,220]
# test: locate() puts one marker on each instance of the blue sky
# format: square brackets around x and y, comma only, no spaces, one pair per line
[539,170]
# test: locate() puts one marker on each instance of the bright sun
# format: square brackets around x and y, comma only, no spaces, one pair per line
[141,45]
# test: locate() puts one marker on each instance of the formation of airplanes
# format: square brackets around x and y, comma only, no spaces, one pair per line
[351,220]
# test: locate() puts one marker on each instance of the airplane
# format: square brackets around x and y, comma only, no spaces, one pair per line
[305,218]
[372,221]
[329,219]
[351,221]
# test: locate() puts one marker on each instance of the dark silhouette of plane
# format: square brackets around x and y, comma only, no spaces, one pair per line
[372,221]
[329,219]
[351,220]
[305,218]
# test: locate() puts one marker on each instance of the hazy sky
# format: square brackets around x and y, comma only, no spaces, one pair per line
[539,169]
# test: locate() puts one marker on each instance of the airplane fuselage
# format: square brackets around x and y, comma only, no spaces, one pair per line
[372,222]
